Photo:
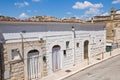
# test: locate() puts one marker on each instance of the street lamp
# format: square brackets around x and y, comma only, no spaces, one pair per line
[73,30]
[105,45]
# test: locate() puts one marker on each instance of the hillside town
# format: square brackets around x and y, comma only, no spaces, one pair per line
[42,19]
[42,47]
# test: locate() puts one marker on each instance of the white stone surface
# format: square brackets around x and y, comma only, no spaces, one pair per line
[74,55]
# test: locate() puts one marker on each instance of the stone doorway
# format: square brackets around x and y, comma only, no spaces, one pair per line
[33,62]
[56,58]
[86,43]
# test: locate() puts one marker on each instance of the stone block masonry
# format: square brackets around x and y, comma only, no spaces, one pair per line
[15,69]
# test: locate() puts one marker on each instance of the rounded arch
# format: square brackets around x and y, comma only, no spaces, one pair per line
[56,46]
[33,52]
[86,43]
[28,49]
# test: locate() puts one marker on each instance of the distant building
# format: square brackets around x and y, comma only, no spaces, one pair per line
[112,34]
[6,18]
[112,27]
[72,19]
[114,16]
[44,19]
[53,19]
[42,48]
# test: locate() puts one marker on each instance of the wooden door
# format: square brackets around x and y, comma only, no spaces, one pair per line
[56,58]
[86,49]
[33,65]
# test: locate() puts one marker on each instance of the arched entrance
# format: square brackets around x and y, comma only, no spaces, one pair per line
[86,49]
[33,64]
[56,58]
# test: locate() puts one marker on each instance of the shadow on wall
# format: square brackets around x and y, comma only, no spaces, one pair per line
[2,42]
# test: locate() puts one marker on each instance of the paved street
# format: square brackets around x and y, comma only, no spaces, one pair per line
[107,70]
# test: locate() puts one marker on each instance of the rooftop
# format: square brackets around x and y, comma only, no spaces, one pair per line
[15,27]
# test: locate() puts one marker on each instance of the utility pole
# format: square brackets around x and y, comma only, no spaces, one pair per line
[22,44]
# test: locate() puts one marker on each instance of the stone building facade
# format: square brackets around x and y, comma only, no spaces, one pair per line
[44,48]
[112,24]
[112,21]
[16,65]
[76,46]
[117,37]
[6,18]
[72,19]
[113,16]
[112,33]
[44,19]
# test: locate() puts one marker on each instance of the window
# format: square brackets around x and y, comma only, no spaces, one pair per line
[64,52]
[15,54]
[77,45]
[67,44]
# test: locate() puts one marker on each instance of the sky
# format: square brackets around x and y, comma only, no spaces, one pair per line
[81,9]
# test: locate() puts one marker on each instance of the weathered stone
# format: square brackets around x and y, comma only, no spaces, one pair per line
[17,68]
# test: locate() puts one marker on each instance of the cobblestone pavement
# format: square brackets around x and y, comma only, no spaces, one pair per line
[107,70]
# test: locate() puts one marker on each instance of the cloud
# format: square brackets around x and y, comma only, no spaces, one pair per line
[35,11]
[118,12]
[29,11]
[115,1]
[77,16]
[86,4]
[36,0]
[90,8]
[23,16]
[93,11]
[68,13]
[105,14]
[21,4]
